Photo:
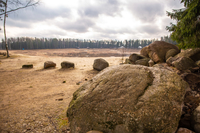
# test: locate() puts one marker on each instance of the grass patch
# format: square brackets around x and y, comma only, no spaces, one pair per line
[63,122]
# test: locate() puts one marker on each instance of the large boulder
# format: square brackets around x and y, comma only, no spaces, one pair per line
[194,54]
[159,51]
[49,64]
[67,64]
[100,64]
[183,63]
[132,98]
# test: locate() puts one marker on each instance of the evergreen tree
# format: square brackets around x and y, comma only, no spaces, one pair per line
[187,30]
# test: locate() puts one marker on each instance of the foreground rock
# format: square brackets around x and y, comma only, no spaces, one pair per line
[67,64]
[129,98]
[159,51]
[49,64]
[100,64]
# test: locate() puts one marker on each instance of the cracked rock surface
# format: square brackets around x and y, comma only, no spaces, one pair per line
[131,98]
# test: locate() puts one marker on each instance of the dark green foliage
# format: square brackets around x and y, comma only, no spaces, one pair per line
[187,30]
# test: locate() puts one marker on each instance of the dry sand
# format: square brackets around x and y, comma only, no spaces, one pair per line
[36,100]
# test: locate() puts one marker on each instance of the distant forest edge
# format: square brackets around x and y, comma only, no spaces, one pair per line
[21,43]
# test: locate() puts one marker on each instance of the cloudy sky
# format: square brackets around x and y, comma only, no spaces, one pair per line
[93,19]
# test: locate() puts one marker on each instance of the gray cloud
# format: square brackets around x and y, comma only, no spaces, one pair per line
[166,22]
[114,31]
[18,23]
[46,34]
[40,13]
[174,4]
[149,29]
[80,25]
[26,17]
[107,7]
[146,11]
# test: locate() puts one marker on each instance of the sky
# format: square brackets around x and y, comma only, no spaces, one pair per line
[93,19]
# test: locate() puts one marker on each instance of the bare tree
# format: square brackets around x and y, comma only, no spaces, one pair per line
[14,6]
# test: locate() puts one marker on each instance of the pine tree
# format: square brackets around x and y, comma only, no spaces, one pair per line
[187,30]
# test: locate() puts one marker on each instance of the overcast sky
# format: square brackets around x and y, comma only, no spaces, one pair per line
[93,19]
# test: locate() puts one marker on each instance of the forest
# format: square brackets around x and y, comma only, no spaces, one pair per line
[21,43]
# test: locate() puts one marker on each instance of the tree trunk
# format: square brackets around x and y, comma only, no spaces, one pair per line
[4,25]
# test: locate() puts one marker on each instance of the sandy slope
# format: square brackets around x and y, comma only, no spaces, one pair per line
[35,100]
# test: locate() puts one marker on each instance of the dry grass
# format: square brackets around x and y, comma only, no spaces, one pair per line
[35,99]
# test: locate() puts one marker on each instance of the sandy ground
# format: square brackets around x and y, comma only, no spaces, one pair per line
[36,100]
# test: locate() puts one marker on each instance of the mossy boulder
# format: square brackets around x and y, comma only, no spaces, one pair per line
[171,53]
[132,98]
[144,62]
[134,57]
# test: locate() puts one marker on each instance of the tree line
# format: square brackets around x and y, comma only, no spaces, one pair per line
[20,43]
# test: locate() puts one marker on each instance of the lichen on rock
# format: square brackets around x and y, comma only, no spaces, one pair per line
[133,97]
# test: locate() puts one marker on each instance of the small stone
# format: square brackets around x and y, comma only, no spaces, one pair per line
[198,63]
[49,64]
[100,64]
[184,130]
[27,66]
[151,63]
[94,131]
[67,64]
[60,99]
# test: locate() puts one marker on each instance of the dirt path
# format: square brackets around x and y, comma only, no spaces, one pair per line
[36,100]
